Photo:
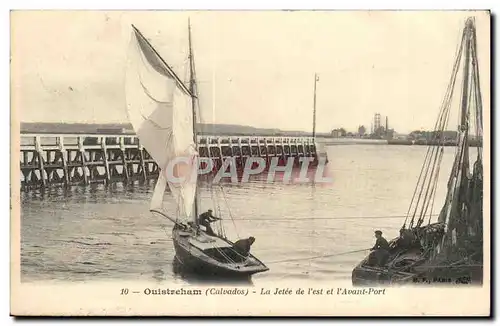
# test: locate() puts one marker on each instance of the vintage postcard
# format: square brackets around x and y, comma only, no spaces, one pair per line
[250,163]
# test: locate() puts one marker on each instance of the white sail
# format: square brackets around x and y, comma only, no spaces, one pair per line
[159,109]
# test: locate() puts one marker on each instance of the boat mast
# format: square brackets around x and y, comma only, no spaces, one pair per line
[465,85]
[316,78]
[459,175]
[479,100]
[192,89]
[464,118]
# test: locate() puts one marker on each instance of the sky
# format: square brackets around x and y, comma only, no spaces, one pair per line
[253,67]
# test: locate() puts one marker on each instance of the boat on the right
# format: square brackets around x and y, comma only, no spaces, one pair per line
[448,250]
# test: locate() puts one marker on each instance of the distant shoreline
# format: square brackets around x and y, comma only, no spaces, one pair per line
[393,142]
[212,129]
[126,128]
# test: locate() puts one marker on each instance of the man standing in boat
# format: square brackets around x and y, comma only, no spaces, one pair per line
[205,219]
[380,251]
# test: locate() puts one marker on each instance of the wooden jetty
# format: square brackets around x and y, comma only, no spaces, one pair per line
[80,159]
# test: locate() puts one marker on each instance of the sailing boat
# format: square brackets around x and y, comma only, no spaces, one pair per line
[162,110]
[449,250]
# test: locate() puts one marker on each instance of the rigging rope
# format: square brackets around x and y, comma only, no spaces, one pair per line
[229,209]
[324,218]
[433,194]
[317,257]
[427,183]
[425,203]
[219,223]
[321,218]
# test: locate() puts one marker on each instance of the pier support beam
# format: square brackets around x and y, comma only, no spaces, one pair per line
[124,160]
[64,161]
[83,160]
[144,171]
[107,173]
[39,153]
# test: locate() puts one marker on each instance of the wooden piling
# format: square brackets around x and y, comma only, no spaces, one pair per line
[105,159]
[83,160]
[62,151]
[39,153]
[144,171]
[125,173]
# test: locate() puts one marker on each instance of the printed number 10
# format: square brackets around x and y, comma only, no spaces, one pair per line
[124,292]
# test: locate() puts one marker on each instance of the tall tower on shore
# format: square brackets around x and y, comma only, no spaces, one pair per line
[376,122]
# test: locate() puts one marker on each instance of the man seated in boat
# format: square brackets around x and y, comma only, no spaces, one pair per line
[242,246]
[405,240]
[205,219]
[380,251]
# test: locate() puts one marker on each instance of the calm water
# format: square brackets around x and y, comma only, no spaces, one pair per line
[99,233]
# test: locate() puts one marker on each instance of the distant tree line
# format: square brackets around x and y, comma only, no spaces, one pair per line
[430,135]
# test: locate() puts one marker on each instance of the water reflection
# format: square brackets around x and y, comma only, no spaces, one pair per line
[205,182]
[194,278]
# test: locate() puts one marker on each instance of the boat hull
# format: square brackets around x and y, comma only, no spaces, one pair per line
[370,276]
[195,260]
